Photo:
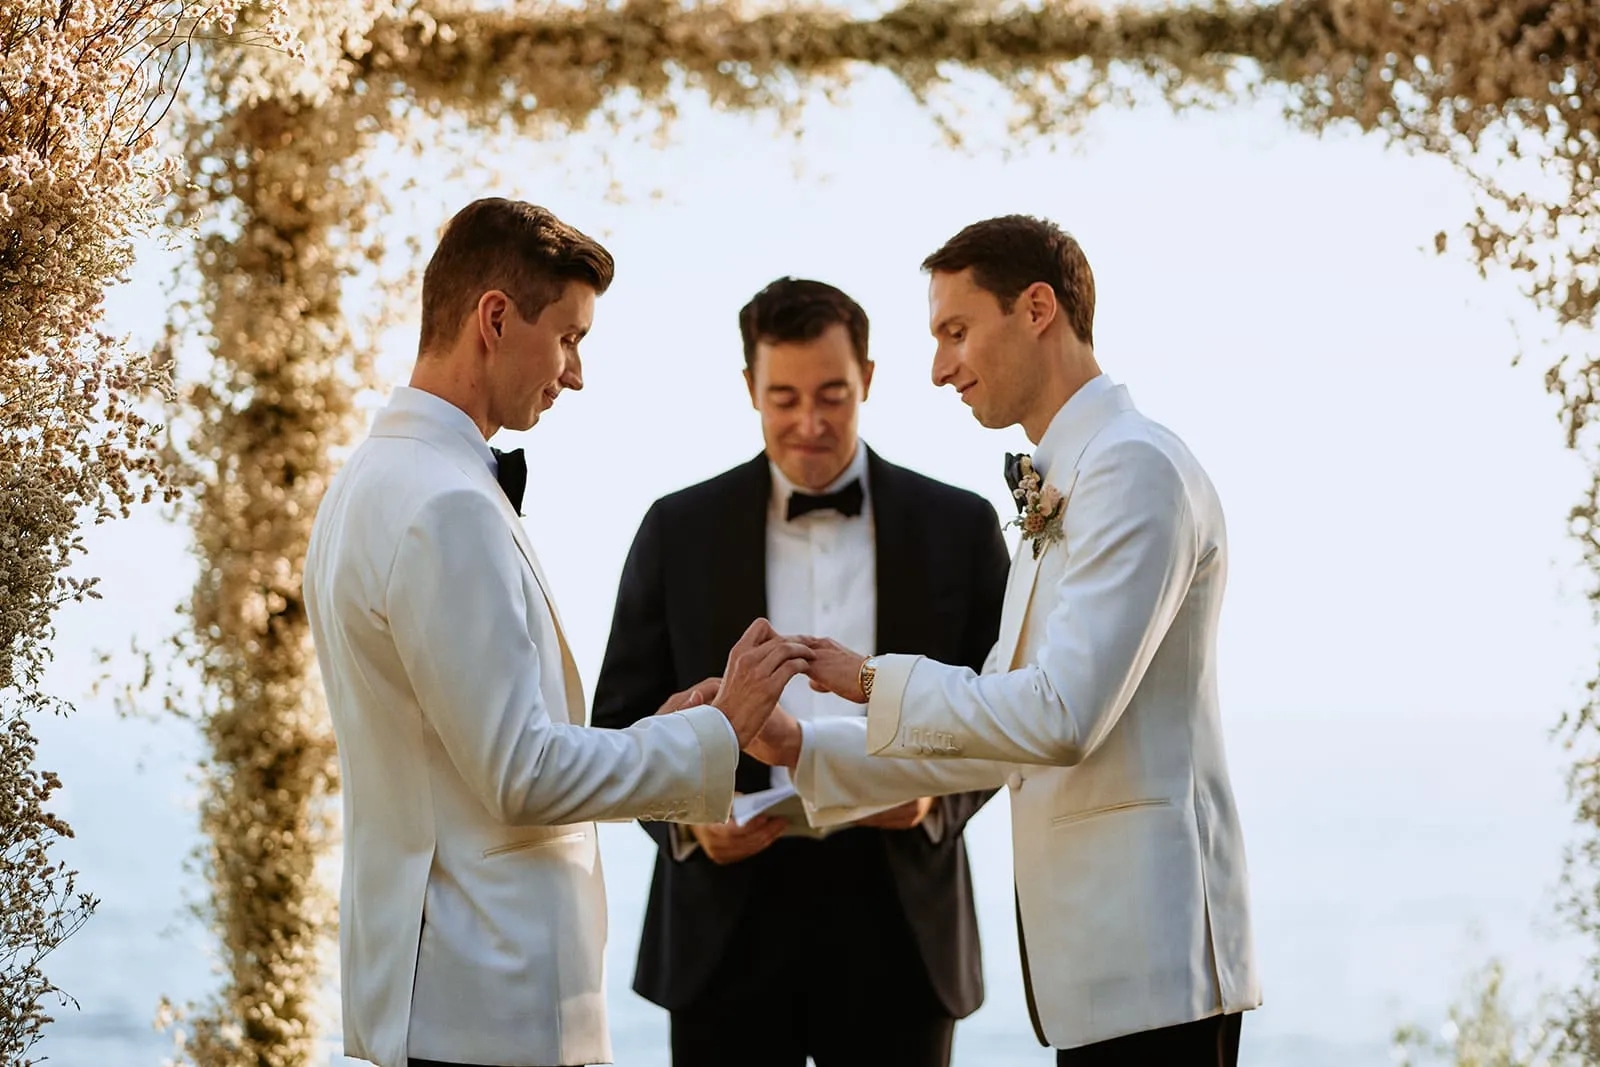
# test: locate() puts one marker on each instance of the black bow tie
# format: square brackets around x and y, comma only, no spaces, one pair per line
[846,501]
[511,471]
[1014,476]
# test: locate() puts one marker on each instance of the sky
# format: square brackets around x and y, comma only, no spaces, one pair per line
[1405,618]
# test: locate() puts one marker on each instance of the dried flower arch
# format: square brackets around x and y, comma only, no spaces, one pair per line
[285,209]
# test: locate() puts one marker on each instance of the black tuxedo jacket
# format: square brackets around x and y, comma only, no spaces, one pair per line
[694,579]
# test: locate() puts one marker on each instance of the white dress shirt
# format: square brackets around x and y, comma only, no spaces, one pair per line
[822,580]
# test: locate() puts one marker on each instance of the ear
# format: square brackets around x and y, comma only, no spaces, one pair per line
[1039,304]
[866,377]
[494,307]
[750,384]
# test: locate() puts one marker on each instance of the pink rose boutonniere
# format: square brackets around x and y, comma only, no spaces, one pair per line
[1042,507]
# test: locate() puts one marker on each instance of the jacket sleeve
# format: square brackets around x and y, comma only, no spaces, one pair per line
[1132,551]
[456,605]
[840,781]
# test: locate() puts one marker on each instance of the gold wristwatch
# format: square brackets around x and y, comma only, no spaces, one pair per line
[869,670]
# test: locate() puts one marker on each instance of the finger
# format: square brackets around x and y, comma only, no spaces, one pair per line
[788,669]
[752,636]
[774,681]
[749,844]
[737,834]
[702,693]
[778,652]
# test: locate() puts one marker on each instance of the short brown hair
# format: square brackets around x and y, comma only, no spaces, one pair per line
[1012,252]
[516,247]
[797,309]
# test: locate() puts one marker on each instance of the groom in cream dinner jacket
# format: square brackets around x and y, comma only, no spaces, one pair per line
[472,914]
[1098,705]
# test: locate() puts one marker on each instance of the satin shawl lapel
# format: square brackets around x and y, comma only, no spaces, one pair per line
[1063,466]
[1019,587]
[901,556]
[738,593]
[467,460]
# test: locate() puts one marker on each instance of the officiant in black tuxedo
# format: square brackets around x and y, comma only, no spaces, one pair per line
[821,536]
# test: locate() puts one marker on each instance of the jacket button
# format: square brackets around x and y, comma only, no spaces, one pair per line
[1015,780]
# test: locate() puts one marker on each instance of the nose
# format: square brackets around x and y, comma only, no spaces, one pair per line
[811,422]
[944,365]
[572,373]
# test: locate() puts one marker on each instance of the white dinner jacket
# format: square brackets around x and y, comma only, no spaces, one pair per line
[472,918]
[1098,707]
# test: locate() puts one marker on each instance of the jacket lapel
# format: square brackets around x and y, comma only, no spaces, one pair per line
[738,559]
[1089,415]
[403,424]
[571,683]
[900,556]
[1019,588]
[736,568]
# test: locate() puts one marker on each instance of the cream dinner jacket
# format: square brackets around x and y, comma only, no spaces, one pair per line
[1099,708]
[472,918]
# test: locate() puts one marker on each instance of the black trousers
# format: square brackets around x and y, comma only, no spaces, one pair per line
[785,1033]
[1212,1042]
[822,965]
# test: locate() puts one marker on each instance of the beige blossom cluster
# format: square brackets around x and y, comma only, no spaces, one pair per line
[82,88]
[280,153]
[283,210]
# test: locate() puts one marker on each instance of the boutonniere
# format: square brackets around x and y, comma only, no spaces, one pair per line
[1042,508]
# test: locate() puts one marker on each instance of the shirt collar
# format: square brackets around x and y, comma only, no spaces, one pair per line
[783,488]
[444,414]
[1070,423]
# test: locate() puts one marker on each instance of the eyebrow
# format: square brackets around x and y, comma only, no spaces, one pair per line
[837,383]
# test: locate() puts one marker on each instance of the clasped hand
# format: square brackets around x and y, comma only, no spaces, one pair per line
[831,668]
[760,664]
[759,667]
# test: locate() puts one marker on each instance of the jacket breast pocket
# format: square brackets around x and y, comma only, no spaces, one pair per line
[1072,818]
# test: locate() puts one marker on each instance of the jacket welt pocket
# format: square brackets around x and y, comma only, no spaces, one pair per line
[1109,809]
[537,842]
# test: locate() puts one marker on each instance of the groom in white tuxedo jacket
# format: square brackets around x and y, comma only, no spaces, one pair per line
[472,912]
[1098,705]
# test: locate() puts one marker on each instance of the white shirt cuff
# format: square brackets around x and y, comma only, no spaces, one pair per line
[683,842]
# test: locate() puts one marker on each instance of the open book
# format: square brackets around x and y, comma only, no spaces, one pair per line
[785,803]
